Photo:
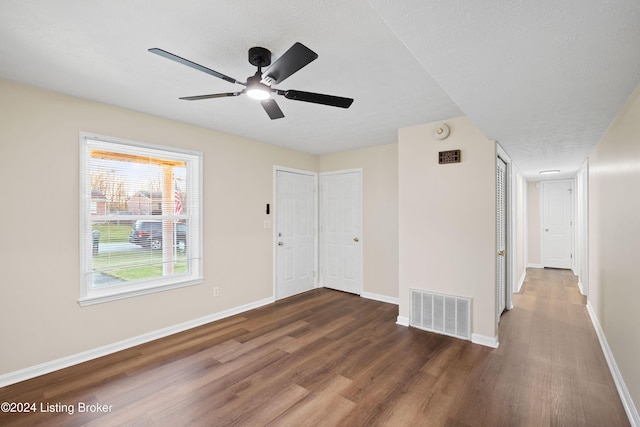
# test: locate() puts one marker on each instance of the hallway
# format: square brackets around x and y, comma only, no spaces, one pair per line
[550,363]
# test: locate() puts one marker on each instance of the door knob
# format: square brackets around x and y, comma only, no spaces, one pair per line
[501,253]
[355,239]
[546,229]
[280,243]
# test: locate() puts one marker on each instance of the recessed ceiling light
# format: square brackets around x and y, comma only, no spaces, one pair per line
[550,171]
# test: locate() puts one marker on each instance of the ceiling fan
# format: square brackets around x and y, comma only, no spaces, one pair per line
[259,86]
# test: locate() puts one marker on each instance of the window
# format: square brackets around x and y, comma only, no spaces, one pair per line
[140,218]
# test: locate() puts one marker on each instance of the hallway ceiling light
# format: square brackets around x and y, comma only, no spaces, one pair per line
[549,172]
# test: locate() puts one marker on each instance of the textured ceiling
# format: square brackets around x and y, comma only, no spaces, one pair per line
[545,79]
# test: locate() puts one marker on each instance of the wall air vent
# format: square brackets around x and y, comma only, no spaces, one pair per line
[451,156]
[444,314]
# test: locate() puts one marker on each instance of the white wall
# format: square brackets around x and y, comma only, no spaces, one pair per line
[40,319]
[614,240]
[447,219]
[380,214]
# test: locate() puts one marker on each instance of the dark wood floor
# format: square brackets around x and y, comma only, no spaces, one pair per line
[329,358]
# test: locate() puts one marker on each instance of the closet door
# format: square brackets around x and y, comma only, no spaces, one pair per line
[341,230]
[501,236]
[295,232]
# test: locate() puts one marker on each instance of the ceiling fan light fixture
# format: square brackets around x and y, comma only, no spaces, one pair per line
[259,91]
[256,89]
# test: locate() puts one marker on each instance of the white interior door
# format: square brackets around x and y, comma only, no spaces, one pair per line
[341,230]
[557,221]
[295,241]
[501,235]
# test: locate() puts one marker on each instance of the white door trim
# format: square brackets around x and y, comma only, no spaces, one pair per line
[582,227]
[511,232]
[572,183]
[360,231]
[274,222]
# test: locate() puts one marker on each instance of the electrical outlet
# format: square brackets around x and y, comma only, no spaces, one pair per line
[216,291]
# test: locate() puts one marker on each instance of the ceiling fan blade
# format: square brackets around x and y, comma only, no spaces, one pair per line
[213,95]
[316,98]
[272,109]
[191,64]
[291,61]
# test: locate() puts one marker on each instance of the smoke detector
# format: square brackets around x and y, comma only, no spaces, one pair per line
[441,131]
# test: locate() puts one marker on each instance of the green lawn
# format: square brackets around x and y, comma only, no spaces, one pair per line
[110,233]
[135,265]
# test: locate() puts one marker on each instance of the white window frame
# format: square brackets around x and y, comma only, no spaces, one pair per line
[194,159]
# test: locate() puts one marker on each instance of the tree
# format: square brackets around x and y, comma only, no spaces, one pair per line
[114,188]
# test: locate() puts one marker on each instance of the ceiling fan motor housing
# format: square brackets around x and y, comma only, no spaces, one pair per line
[259,57]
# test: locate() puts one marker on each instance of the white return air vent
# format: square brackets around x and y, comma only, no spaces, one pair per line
[444,314]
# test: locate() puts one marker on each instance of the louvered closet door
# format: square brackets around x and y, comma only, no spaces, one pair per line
[501,235]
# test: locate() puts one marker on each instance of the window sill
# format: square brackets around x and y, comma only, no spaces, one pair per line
[109,295]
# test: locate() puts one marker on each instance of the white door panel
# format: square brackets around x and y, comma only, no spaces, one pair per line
[557,221]
[295,232]
[341,230]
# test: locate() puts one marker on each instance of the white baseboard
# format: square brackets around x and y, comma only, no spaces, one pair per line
[580,286]
[627,402]
[485,340]
[74,359]
[375,297]
[402,321]
[530,265]
[381,298]
[520,282]
[475,338]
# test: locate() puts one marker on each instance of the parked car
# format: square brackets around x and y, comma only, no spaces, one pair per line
[148,234]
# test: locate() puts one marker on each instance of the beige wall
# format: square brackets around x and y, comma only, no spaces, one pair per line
[533,224]
[614,239]
[40,319]
[447,214]
[380,213]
